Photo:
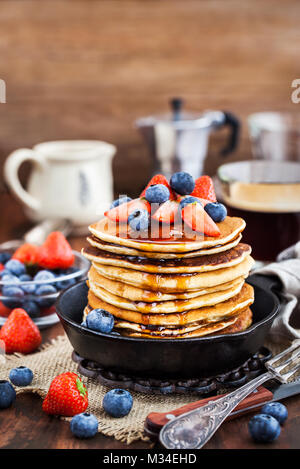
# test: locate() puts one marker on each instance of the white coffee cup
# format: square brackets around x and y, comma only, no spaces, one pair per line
[70,179]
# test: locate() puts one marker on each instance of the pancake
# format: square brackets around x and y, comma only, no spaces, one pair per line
[126,251]
[209,313]
[236,324]
[173,282]
[175,242]
[172,306]
[206,263]
[133,293]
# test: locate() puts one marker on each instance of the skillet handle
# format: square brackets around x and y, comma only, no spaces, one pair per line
[266,282]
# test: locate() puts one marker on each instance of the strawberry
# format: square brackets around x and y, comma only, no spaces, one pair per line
[27,253]
[1,267]
[66,396]
[121,212]
[167,212]
[56,252]
[159,179]
[204,189]
[19,333]
[4,311]
[196,218]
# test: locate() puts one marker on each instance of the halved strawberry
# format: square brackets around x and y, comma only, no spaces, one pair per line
[159,179]
[121,212]
[167,212]
[204,189]
[196,218]
[204,201]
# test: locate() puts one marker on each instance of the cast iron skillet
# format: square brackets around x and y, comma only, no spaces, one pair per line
[169,358]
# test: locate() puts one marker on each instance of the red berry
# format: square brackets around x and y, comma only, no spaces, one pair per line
[196,218]
[204,189]
[67,396]
[4,311]
[167,212]
[1,267]
[56,252]
[121,212]
[27,253]
[19,333]
[159,179]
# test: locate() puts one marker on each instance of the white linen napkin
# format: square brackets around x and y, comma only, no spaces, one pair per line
[287,270]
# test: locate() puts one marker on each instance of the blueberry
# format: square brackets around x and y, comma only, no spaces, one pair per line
[100,320]
[264,428]
[188,200]
[45,290]
[9,278]
[31,308]
[84,425]
[63,284]
[277,410]
[4,272]
[25,278]
[14,296]
[83,324]
[157,194]
[139,220]
[4,257]
[7,394]
[21,376]
[15,267]
[43,275]
[117,402]
[216,211]
[182,183]
[121,200]
[29,288]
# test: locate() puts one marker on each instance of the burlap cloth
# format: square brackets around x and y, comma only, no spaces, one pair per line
[55,358]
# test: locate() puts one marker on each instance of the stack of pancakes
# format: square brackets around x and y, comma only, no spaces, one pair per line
[171,288]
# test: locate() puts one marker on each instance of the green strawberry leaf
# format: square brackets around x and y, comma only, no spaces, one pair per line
[80,387]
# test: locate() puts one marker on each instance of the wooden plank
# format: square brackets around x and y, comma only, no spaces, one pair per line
[88,69]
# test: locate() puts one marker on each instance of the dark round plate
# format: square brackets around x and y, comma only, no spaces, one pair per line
[168,358]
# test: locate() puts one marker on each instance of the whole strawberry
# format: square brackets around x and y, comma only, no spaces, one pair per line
[67,396]
[27,254]
[56,252]
[159,179]
[19,333]
[204,189]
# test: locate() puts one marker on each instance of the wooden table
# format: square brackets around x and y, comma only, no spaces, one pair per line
[24,425]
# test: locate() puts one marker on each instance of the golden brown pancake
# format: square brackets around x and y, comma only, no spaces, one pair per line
[235,324]
[196,264]
[210,313]
[172,306]
[126,251]
[121,234]
[173,282]
[133,293]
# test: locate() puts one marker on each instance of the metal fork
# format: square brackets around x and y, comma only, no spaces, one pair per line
[193,429]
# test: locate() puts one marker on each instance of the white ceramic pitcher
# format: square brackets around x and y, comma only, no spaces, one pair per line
[70,179]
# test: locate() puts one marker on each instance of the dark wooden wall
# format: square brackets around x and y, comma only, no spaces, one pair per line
[88,69]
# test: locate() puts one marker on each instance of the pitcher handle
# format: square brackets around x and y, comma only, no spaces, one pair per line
[11,176]
[234,123]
